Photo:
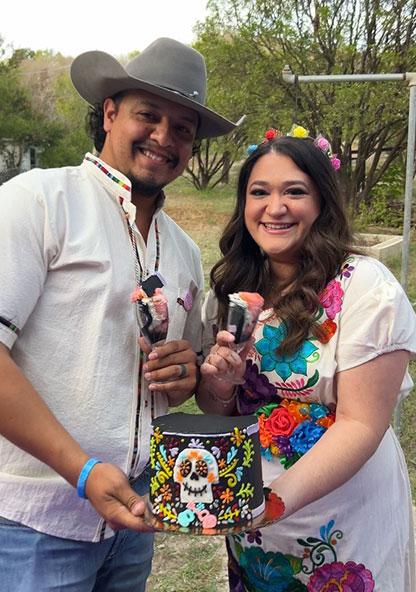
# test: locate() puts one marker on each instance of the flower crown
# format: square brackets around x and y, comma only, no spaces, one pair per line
[297,131]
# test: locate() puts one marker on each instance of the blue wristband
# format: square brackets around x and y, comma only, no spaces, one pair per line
[83,476]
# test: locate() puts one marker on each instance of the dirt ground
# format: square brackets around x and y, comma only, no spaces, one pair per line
[184,563]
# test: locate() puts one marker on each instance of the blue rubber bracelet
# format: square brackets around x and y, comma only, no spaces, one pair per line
[83,476]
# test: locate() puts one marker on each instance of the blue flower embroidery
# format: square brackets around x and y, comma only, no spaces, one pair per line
[305,436]
[266,571]
[284,366]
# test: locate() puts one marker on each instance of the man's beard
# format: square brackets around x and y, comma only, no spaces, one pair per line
[145,187]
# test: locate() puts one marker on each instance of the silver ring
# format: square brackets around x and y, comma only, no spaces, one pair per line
[183,370]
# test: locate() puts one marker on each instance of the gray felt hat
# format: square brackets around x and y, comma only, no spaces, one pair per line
[166,68]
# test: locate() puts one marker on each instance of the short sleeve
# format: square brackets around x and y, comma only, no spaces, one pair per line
[376,316]
[24,240]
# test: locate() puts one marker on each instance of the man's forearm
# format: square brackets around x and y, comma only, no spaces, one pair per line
[28,423]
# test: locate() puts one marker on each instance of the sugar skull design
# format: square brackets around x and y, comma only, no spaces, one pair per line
[196,470]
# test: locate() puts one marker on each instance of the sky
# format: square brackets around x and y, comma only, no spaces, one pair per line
[117,27]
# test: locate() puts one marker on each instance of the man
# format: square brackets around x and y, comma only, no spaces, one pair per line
[77,392]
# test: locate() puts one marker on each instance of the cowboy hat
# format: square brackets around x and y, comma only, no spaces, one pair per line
[166,68]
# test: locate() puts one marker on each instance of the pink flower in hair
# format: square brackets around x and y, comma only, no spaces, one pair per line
[323,144]
[336,163]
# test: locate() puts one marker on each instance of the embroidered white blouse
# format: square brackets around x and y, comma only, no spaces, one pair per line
[359,536]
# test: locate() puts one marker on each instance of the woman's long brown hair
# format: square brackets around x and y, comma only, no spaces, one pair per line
[244,267]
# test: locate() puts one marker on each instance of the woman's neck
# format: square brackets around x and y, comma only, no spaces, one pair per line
[281,277]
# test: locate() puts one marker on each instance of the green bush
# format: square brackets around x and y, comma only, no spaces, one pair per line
[386,204]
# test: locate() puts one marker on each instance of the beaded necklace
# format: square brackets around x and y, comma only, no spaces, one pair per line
[140,272]
[140,275]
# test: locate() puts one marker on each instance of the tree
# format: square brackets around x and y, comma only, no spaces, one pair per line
[236,86]
[53,96]
[251,41]
[69,113]
[20,125]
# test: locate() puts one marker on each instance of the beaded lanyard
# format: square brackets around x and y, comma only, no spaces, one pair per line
[139,272]
[139,278]
[137,263]
[138,268]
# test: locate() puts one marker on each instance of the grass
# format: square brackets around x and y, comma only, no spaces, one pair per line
[184,563]
[202,215]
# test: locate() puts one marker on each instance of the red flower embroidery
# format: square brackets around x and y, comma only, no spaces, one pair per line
[326,331]
[280,422]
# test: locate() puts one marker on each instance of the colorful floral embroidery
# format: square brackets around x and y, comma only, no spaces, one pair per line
[256,391]
[254,536]
[290,428]
[346,270]
[284,365]
[299,387]
[266,571]
[331,298]
[326,331]
[337,576]
[251,569]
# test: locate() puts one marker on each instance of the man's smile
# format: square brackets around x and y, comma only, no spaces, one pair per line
[156,156]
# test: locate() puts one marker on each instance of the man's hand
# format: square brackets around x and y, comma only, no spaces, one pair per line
[174,363]
[108,490]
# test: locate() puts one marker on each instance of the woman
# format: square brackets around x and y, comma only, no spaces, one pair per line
[328,365]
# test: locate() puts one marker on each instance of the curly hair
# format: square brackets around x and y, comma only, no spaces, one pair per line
[245,267]
[94,123]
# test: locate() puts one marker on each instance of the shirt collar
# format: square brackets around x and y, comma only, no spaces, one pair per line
[115,181]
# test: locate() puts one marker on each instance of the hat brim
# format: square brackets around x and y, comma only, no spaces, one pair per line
[97,75]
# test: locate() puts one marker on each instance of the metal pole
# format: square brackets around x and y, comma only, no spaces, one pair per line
[410,165]
[290,78]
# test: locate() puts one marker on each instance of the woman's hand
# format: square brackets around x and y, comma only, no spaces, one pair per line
[174,365]
[216,392]
[222,360]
